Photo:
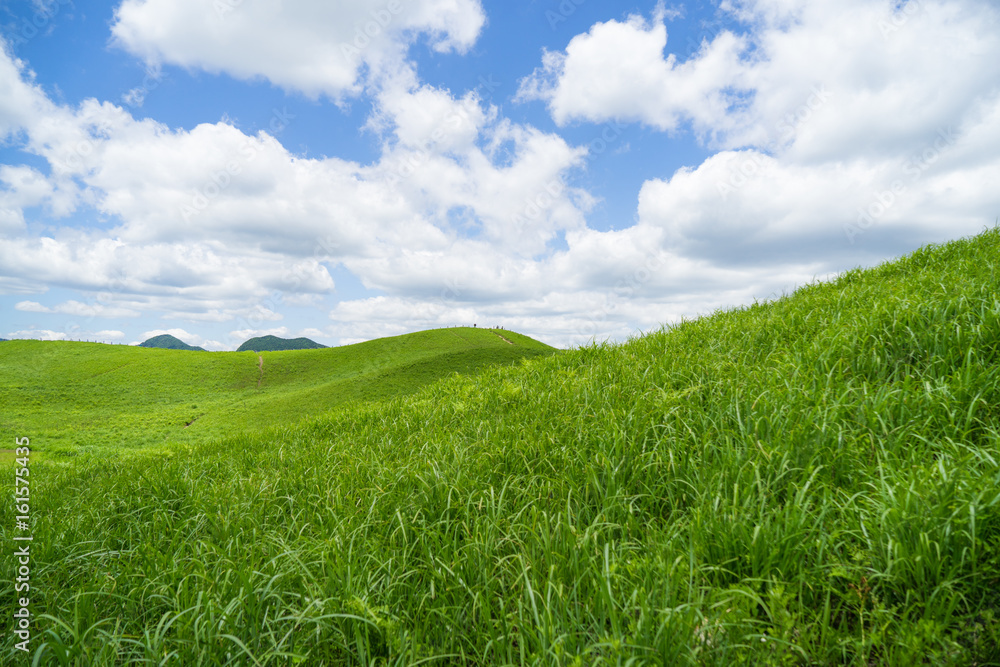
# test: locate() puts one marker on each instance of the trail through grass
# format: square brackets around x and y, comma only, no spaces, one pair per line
[75,398]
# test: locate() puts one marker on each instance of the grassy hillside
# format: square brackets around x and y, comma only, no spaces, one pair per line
[809,481]
[274,344]
[74,397]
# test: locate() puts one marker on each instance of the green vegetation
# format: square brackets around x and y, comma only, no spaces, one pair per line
[75,398]
[274,344]
[168,342]
[810,481]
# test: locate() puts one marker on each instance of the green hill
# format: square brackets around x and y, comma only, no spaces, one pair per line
[814,480]
[168,342]
[274,344]
[83,396]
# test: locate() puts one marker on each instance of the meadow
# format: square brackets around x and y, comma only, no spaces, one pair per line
[77,398]
[808,481]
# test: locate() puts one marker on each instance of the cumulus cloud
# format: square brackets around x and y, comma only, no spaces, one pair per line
[841,134]
[246,334]
[315,46]
[869,77]
[199,208]
[618,70]
[849,131]
[77,308]
[38,334]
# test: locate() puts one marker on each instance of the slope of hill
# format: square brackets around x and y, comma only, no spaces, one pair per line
[275,344]
[814,480]
[168,342]
[99,397]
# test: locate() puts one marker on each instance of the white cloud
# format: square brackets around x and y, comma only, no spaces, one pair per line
[618,70]
[313,46]
[78,309]
[830,77]
[243,335]
[864,131]
[32,307]
[37,334]
[312,332]
[23,186]
[398,224]
[466,216]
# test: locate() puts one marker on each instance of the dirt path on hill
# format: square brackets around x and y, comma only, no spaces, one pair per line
[260,366]
[502,337]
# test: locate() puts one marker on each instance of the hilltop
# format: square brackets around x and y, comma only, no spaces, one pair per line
[85,396]
[813,480]
[274,344]
[168,342]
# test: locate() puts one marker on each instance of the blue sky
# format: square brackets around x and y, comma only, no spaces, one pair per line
[572,170]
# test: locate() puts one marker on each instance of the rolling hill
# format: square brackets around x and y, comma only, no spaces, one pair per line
[275,344]
[168,342]
[813,480]
[86,396]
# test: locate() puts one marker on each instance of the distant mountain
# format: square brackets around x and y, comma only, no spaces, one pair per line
[168,342]
[274,344]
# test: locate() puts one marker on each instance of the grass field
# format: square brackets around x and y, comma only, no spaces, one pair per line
[81,397]
[810,481]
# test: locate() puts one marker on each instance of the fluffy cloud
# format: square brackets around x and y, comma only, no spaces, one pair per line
[77,309]
[199,208]
[38,334]
[315,46]
[844,133]
[856,76]
[850,131]
[637,82]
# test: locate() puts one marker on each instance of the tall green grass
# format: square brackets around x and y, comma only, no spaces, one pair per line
[809,481]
